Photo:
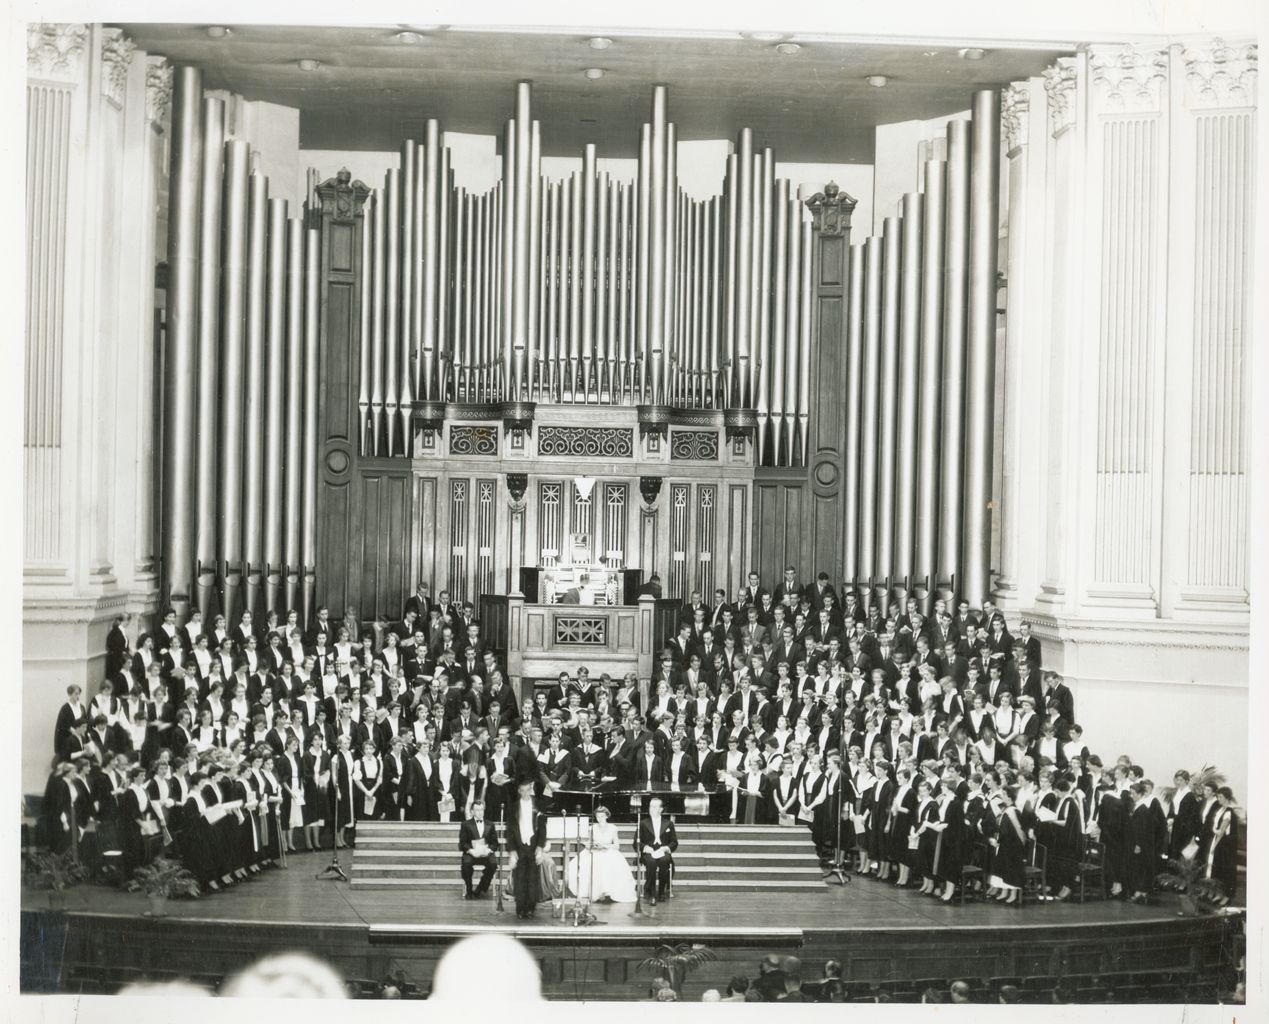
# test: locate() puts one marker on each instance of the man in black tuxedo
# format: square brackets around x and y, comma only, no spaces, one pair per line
[478,841]
[526,837]
[655,846]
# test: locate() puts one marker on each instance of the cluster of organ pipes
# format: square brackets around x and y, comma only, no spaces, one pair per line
[921,337]
[240,377]
[587,290]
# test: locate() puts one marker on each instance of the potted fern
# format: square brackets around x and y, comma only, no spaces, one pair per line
[53,873]
[676,962]
[161,880]
[1199,895]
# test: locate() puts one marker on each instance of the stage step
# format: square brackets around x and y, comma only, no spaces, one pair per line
[720,858]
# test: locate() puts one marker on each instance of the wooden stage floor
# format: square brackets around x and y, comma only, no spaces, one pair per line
[875,931]
[294,897]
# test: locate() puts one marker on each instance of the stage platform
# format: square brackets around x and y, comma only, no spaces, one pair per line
[879,933]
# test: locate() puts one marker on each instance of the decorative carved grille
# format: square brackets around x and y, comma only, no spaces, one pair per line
[581,631]
[586,442]
[469,440]
[701,445]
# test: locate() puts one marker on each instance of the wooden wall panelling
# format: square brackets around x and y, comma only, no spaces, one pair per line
[797,516]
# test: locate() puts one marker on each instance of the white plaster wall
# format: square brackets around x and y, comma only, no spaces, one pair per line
[897,161]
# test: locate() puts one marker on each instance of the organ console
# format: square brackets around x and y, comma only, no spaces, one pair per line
[538,299]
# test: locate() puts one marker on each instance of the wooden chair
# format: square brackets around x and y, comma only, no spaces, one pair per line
[1092,869]
[1034,870]
[975,867]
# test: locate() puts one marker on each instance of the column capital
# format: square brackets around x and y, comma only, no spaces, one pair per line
[1128,79]
[1059,86]
[1220,75]
[55,50]
[1015,104]
[158,89]
[117,51]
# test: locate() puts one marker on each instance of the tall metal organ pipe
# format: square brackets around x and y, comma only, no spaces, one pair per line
[955,294]
[205,532]
[182,320]
[980,371]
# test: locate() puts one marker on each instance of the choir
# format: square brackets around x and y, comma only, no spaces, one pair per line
[932,752]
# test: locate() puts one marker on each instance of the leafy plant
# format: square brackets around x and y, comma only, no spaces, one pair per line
[163,878]
[1199,895]
[54,872]
[676,962]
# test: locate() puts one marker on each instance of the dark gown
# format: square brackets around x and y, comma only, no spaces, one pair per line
[878,821]
[1112,819]
[340,784]
[1224,857]
[1143,850]
[137,849]
[196,842]
[268,816]
[286,782]
[499,798]
[314,798]
[927,841]
[1185,825]
[1011,842]
[389,797]
[359,798]
[902,821]
[1067,838]
[951,854]
[820,814]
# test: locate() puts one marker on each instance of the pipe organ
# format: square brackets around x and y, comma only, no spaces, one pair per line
[361,393]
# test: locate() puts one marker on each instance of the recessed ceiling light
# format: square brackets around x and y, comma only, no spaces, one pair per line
[599,43]
[765,36]
[408,37]
[971,53]
[594,73]
[930,53]
[216,31]
[788,49]
[308,64]
[876,81]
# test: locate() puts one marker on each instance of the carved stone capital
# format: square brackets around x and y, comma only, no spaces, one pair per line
[1059,86]
[117,51]
[1128,79]
[1015,105]
[831,210]
[55,51]
[1220,75]
[341,197]
[158,89]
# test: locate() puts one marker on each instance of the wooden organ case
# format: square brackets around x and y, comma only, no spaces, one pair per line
[620,362]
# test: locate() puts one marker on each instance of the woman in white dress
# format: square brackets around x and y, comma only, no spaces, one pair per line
[601,872]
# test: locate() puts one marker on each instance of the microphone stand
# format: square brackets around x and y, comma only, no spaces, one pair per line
[838,873]
[498,909]
[638,909]
[333,870]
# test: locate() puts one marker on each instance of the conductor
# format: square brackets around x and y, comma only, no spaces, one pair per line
[655,845]
[478,840]
[526,836]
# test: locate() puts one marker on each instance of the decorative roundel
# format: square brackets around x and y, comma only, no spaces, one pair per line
[337,461]
[826,474]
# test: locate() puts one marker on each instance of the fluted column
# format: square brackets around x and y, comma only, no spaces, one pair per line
[1209,293]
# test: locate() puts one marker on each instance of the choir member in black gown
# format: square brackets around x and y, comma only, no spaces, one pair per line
[139,831]
[316,773]
[1183,816]
[1222,861]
